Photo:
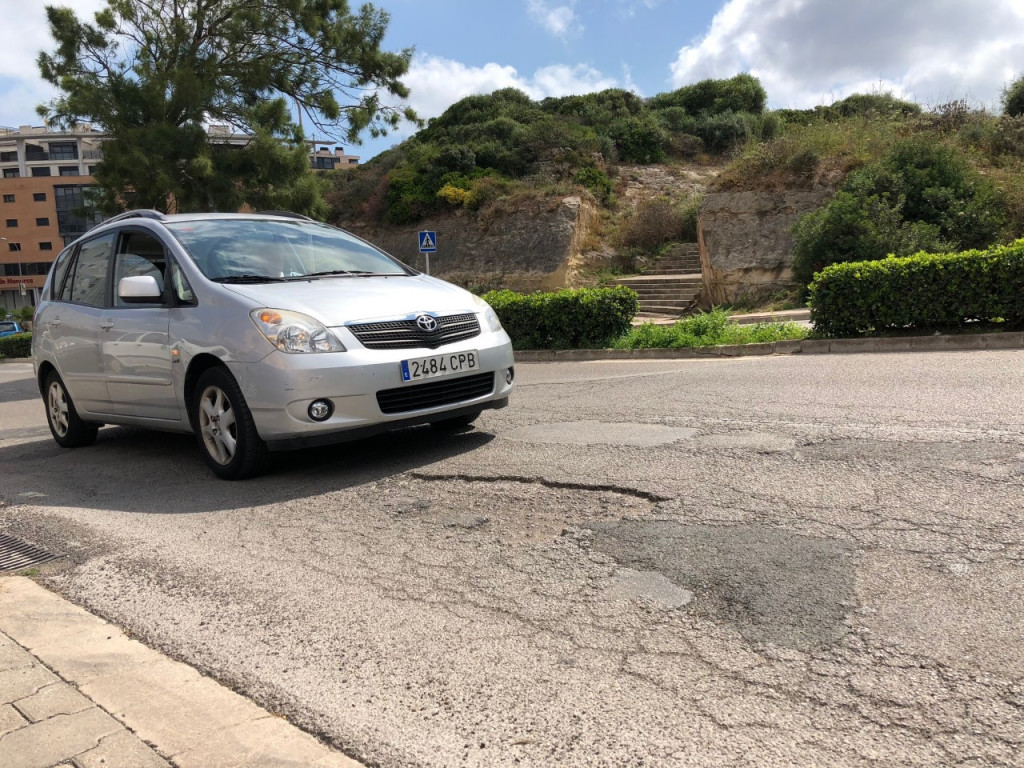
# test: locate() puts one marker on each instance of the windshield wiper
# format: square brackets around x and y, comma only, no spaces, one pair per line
[350,272]
[248,279]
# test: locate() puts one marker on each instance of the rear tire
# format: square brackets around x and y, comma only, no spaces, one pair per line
[225,429]
[66,426]
[456,423]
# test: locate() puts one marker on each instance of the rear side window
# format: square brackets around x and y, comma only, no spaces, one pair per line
[89,283]
[58,273]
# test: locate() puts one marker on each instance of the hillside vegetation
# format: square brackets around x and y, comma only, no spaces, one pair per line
[908,179]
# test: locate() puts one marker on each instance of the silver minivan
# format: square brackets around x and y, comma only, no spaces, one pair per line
[256,332]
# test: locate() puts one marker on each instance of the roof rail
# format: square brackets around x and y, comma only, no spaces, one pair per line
[142,213]
[285,214]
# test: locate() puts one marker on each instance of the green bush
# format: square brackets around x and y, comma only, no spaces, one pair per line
[18,345]
[925,291]
[569,319]
[922,196]
[742,93]
[1013,98]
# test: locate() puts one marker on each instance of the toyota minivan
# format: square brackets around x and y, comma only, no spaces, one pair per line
[257,333]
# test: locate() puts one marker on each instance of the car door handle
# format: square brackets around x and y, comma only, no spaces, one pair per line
[55,322]
[106,324]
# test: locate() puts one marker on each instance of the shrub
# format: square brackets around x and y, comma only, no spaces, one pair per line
[922,196]
[18,345]
[596,181]
[453,195]
[1013,98]
[568,319]
[655,221]
[638,139]
[921,292]
[742,93]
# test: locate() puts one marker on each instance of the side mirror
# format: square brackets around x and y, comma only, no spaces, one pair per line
[139,289]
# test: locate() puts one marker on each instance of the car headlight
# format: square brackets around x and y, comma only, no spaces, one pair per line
[490,316]
[295,332]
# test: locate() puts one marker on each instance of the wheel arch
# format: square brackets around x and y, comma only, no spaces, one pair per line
[44,370]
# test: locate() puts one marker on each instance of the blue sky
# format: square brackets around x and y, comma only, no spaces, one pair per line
[805,52]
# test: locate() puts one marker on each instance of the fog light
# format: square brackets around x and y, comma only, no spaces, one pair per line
[321,410]
[510,375]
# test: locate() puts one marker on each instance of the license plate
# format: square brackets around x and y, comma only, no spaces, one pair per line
[439,365]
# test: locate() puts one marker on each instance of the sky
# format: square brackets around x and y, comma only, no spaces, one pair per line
[805,52]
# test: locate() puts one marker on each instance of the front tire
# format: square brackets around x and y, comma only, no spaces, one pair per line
[66,426]
[225,429]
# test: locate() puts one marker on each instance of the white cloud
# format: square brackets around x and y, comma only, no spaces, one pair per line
[436,83]
[558,20]
[809,52]
[23,88]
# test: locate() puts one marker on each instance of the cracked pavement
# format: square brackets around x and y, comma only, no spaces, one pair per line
[750,562]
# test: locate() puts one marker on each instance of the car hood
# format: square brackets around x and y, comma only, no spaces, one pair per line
[342,300]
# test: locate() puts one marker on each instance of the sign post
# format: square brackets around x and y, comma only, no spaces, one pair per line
[428,245]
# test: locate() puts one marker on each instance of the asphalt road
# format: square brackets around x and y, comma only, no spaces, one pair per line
[770,561]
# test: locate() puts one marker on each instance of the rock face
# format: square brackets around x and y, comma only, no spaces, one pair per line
[745,245]
[533,247]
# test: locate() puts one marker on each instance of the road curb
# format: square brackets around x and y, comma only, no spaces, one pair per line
[947,343]
[188,718]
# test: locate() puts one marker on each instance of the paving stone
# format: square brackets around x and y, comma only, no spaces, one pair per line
[56,699]
[13,657]
[268,741]
[18,683]
[121,750]
[10,719]
[44,744]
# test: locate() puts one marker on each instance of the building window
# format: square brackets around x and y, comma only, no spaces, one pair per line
[39,197]
[8,198]
[70,203]
[92,170]
[8,157]
[42,221]
[11,173]
[43,171]
[63,150]
[68,170]
[14,247]
[46,246]
[12,222]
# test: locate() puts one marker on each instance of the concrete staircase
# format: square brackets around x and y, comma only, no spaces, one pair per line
[671,285]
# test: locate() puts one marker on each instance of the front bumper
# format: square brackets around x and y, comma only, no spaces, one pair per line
[280,388]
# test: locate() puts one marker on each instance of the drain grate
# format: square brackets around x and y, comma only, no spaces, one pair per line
[16,554]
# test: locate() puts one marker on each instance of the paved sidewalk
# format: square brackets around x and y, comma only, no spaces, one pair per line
[76,691]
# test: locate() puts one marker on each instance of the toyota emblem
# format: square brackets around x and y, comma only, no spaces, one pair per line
[426,323]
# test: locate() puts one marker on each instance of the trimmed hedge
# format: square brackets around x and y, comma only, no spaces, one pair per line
[585,318]
[925,291]
[18,345]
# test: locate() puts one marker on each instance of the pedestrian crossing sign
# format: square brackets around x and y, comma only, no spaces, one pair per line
[428,241]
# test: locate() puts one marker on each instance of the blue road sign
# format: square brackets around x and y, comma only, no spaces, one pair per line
[428,241]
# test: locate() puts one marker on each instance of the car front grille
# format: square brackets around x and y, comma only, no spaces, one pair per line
[405,334]
[435,393]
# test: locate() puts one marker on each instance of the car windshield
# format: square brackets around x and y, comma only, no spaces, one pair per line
[258,250]
[7,326]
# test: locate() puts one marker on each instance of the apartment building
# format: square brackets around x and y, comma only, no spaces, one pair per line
[44,175]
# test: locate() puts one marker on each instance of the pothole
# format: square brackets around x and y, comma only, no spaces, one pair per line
[772,585]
